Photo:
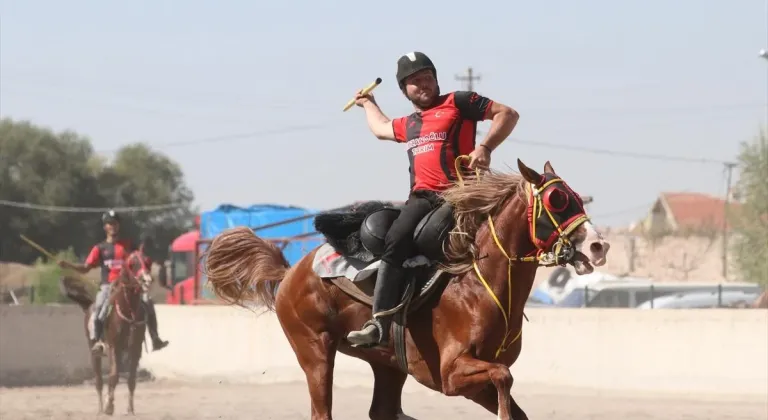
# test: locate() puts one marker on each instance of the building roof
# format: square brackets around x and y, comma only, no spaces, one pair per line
[695,210]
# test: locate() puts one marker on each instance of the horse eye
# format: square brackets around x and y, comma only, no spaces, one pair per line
[556,200]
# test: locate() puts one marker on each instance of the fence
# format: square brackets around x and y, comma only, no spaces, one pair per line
[649,296]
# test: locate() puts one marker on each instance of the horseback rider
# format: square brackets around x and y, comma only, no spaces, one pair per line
[140,264]
[442,128]
[109,255]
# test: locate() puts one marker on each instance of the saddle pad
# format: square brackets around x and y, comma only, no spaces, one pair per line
[329,264]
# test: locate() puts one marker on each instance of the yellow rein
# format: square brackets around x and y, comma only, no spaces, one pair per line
[510,259]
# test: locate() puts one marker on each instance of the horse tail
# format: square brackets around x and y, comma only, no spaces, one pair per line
[242,267]
[75,290]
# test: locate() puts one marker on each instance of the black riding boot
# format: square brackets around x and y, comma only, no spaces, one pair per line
[157,343]
[97,346]
[386,296]
[98,329]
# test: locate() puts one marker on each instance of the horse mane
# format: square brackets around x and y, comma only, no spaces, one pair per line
[473,200]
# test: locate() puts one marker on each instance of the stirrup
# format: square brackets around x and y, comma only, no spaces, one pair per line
[367,339]
[98,347]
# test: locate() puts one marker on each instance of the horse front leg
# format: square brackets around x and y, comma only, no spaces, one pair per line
[98,380]
[134,354]
[473,378]
[114,375]
[488,398]
[387,393]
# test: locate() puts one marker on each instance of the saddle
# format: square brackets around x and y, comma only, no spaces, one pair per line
[351,258]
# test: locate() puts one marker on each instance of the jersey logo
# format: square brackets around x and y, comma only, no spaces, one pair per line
[113,263]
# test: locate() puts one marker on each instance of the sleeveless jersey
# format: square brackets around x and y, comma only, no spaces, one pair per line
[110,256]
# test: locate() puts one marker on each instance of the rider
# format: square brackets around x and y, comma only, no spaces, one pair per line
[138,264]
[442,128]
[109,255]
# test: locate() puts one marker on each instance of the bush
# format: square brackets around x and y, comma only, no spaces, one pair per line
[47,276]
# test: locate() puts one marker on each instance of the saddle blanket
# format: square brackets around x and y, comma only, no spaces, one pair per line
[329,264]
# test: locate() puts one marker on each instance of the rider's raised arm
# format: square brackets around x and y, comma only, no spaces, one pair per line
[380,125]
[475,107]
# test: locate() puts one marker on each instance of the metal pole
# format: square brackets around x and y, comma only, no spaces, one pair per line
[729,168]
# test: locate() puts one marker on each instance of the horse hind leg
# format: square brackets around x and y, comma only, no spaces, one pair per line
[316,353]
[307,326]
[387,393]
[480,381]
[98,381]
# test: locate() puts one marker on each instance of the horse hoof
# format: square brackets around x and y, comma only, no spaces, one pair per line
[110,410]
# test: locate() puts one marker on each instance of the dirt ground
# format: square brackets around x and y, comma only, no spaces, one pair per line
[168,400]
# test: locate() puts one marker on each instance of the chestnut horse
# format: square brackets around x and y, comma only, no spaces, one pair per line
[124,327]
[461,338]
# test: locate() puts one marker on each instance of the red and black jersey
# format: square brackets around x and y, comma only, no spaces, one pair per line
[110,256]
[435,137]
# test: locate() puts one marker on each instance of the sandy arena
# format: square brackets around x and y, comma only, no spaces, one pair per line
[171,400]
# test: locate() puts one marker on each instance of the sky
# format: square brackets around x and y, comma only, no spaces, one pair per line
[246,95]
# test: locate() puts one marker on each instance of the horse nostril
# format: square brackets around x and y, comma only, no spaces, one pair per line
[596,247]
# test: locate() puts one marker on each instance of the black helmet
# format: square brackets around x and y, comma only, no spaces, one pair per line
[411,63]
[110,217]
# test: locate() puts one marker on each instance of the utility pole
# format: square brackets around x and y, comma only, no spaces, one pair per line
[469,78]
[729,168]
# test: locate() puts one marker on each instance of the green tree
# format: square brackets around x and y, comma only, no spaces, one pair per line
[140,176]
[750,242]
[39,166]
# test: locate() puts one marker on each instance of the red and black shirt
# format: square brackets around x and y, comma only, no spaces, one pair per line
[435,137]
[110,256]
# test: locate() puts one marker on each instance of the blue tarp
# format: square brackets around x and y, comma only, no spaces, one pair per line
[227,216]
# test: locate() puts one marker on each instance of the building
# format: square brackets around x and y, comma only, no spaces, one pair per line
[682,212]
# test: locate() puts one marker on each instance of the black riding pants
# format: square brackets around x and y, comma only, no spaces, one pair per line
[398,244]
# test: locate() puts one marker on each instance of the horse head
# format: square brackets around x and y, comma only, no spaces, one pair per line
[540,218]
[558,222]
[135,277]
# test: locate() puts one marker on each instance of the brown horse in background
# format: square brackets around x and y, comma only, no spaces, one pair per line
[463,338]
[124,329]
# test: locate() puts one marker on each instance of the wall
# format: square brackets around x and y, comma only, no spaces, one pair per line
[695,351]
[43,345]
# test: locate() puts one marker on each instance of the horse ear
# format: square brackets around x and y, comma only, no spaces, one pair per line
[529,174]
[548,168]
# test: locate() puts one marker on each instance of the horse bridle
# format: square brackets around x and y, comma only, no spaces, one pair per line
[562,250]
[142,274]
[134,282]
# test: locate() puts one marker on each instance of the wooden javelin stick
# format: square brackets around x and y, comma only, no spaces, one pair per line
[46,253]
[365,91]
[37,247]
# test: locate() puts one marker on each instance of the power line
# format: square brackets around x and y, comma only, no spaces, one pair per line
[66,209]
[623,211]
[635,155]
[228,137]
[292,129]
